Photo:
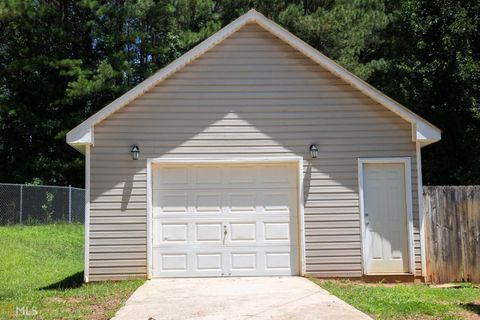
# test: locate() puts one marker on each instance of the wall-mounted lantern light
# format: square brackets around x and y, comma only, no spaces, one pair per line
[135,152]
[314,151]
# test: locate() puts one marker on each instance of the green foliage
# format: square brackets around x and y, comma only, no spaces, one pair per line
[407,301]
[345,31]
[61,61]
[433,54]
[47,207]
[41,267]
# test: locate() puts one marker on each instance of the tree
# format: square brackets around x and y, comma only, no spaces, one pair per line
[63,60]
[433,54]
[36,38]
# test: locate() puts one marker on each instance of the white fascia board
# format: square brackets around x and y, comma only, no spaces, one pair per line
[428,134]
[80,138]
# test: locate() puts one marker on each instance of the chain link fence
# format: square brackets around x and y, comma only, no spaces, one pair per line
[32,204]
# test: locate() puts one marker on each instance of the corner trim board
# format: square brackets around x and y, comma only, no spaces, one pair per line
[87,215]
[421,216]
[149,220]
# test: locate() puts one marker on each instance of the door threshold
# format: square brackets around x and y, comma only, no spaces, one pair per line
[389,274]
[389,277]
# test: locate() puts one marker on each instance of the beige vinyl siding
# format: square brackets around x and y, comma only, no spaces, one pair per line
[252,95]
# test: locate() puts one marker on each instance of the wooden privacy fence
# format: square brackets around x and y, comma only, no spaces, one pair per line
[452,232]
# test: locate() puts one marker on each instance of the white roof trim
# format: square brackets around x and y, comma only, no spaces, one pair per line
[425,133]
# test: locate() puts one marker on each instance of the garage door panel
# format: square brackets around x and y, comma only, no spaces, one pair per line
[208,232]
[233,218]
[238,175]
[243,231]
[221,220]
[209,261]
[171,177]
[277,231]
[281,260]
[277,201]
[174,232]
[170,202]
[242,261]
[241,202]
[240,231]
[173,262]
[275,174]
[224,201]
[207,175]
[277,260]
[204,202]
[224,175]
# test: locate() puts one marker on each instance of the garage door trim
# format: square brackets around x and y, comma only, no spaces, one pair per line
[298,161]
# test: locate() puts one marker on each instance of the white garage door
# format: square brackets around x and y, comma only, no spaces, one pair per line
[224,220]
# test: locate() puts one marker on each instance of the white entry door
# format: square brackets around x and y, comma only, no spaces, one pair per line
[385,218]
[224,220]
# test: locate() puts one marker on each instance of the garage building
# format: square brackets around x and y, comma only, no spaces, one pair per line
[253,154]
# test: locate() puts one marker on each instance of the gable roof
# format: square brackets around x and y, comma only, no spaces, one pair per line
[422,131]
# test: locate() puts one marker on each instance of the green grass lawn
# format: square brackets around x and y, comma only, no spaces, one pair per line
[41,268]
[408,301]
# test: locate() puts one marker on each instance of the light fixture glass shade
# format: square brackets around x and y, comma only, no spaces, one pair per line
[135,152]
[314,151]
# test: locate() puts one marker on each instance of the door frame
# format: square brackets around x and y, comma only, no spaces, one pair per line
[406,161]
[298,161]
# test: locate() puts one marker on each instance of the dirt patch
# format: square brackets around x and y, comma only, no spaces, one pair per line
[107,306]
[96,308]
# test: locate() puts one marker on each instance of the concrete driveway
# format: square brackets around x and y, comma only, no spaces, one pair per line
[235,298]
